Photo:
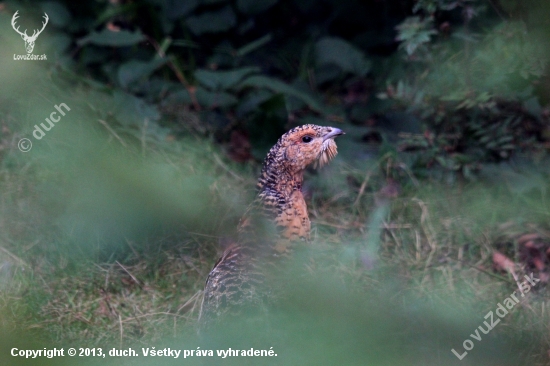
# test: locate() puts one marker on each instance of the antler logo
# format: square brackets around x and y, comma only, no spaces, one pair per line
[29,40]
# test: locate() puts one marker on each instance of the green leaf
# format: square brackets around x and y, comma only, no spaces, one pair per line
[277,86]
[212,22]
[223,80]
[252,7]
[252,101]
[111,12]
[58,15]
[254,45]
[133,71]
[176,9]
[533,106]
[336,51]
[205,98]
[413,32]
[130,110]
[116,39]
[215,99]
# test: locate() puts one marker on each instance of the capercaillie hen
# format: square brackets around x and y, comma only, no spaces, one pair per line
[276,219]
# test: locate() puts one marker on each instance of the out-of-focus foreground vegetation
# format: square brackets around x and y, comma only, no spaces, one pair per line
[433,210]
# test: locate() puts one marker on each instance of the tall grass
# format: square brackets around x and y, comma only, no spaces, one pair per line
[108,230]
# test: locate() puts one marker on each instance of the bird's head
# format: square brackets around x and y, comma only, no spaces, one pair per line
[306,145]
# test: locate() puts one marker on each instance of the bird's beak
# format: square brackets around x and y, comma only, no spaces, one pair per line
[333,133]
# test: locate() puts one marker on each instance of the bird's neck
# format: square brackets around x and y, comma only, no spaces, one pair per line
[276,181]
[280,195]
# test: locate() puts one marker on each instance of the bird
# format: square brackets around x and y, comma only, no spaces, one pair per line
[274,222]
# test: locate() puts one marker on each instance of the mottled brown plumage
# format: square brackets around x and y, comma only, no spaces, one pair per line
[274,221]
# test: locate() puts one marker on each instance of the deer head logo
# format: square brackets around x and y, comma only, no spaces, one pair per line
[29,40]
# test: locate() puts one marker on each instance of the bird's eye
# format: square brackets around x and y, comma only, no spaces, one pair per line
[307,139]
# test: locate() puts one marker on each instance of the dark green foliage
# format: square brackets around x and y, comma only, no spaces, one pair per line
[212,56]
[471,72]
[473,87]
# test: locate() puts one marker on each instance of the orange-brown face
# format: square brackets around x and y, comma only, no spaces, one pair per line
[308,144]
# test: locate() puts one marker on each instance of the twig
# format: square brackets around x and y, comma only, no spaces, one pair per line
[106,299]
[389,229]
[143,134]
[484,271]
[226,168]
[324,223]
[190,89]
[21,262]
[410,174]
[363,186]
[367,178]
[193,300]
[205,235]
[132,247]
[112,132]
[131,275]
[83,319]
[397,226]
[153,314]
[497,10]
[121,329]
[428,231]
[417,244]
